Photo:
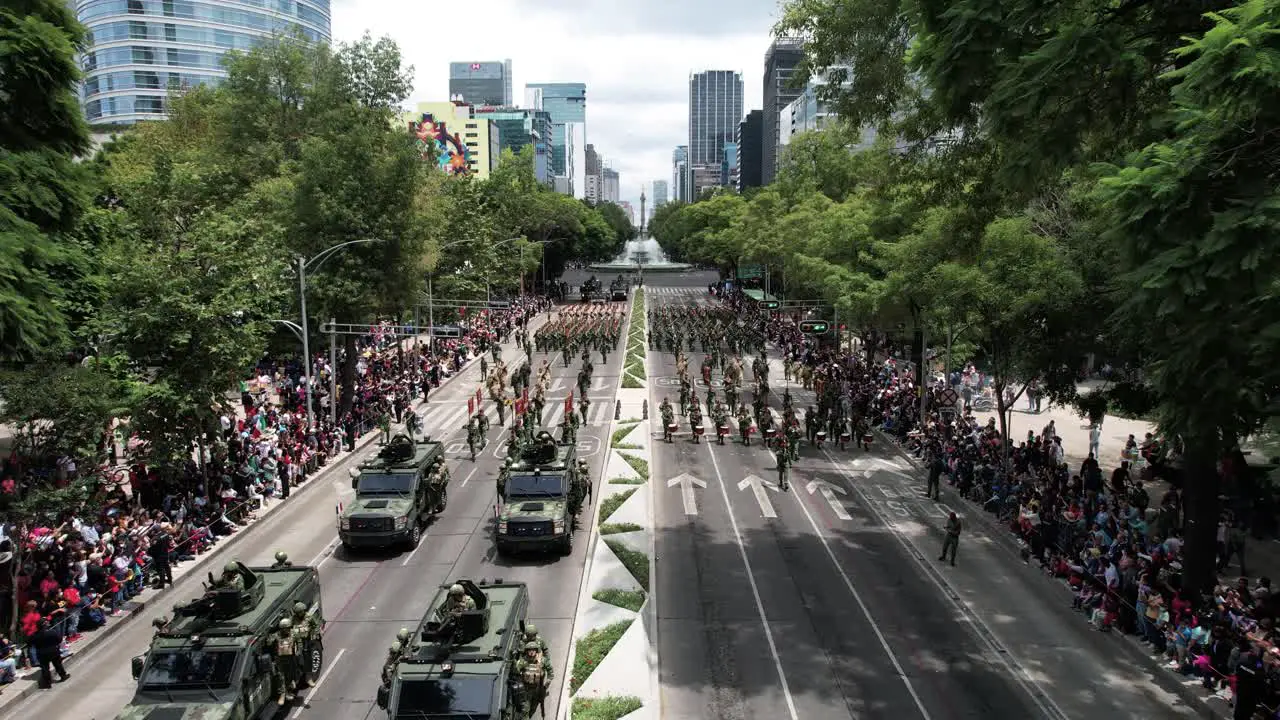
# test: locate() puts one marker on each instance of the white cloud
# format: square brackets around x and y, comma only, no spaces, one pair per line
[635,58]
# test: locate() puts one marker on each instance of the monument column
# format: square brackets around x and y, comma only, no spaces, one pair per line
[642,215]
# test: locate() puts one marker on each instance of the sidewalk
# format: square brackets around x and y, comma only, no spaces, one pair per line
[25,685]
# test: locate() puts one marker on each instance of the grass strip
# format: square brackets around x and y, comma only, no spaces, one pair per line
[640,465]
[631,600]
[610,504]
[623,430]
[627,481]
[615,528]
[636,562]
[591,650]
[630,382]
[627,446]
[609,707]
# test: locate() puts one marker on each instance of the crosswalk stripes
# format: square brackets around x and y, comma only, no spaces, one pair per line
[667,291]
[446,418]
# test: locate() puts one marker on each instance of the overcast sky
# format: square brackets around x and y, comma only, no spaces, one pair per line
[635,57]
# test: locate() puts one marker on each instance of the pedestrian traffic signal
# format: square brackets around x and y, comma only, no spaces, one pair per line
[770,304]
[814,327]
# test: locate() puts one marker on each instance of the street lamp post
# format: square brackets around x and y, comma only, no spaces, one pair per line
[302,266]
[431,313]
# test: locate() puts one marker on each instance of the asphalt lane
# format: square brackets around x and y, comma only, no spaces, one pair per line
[850,628]
[368,596]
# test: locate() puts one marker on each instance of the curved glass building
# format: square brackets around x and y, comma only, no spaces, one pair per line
[139,49]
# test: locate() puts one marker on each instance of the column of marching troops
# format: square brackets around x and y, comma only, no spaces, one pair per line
[726,340]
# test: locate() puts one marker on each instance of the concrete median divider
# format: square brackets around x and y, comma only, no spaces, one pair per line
[613,657]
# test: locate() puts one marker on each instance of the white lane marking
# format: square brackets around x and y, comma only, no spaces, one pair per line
[468,477]
[319,681]
[866,612]
[325,555]
[421,541]
[1038,695]
[755,591]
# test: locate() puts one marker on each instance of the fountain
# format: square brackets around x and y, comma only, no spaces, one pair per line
[643,254]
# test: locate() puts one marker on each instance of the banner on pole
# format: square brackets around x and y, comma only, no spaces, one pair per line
[471,406]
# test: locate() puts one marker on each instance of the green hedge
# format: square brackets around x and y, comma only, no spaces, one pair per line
[631,600]
[610,504]
[640,465]
[609,707]
[615,528]
[636,562]
[591,650]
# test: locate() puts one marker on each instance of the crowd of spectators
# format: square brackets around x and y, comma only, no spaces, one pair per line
[1097,529]
[81,568]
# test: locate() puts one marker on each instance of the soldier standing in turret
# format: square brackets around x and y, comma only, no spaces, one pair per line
[457,603]
[231,577]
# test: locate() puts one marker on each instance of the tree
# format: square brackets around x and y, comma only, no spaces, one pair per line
[42,191]
[623,230]
[1195,217]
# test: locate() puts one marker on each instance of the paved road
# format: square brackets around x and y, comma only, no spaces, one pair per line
[825,604]
[369,596]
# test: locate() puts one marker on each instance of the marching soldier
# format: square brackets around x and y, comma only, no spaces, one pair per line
[695,420]
[668,419]
[483,418]
[744,424]
[473,435]
[784,470]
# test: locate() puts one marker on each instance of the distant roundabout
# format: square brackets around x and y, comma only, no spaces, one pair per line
[646,268]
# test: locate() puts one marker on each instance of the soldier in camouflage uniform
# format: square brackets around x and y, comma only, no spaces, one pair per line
[393,658]
[285,668]
[535,673]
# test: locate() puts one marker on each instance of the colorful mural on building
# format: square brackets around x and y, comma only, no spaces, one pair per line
[452,154]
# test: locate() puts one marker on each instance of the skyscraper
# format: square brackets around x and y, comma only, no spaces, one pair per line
[567,105]
[518,127]
[659,193]
[594,179]
[481,83]
[612,188]
[780,62]
[137,51]
[680,175]
[715,108]
[750,143]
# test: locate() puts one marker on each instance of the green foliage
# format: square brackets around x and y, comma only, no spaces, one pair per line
[631,600]
[631,382]
[640,465]
[626,481]
[616,528]
[591,649]
[42,191]
[58,409]
[611,504]
[609,707]
[637,563]
[623,430]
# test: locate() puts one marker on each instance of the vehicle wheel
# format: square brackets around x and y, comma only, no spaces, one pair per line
[444,501]
[567,548]
[346,547]
[415,535]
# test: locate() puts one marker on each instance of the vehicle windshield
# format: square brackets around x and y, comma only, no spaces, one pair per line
[455,697]
[531,486]
[189,668]
[385,483]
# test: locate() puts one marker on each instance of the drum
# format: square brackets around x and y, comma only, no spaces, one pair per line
[821,435]
[771,433]
[697,430]
[867,438]
[722,430]
[672,427]
[844,437]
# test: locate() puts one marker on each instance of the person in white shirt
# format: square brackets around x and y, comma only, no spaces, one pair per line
[1095,439]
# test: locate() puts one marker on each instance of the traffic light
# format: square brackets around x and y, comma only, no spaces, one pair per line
[814,327]
[771,304]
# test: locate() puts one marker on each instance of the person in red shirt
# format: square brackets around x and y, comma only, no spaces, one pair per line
[71,596]
[30,626]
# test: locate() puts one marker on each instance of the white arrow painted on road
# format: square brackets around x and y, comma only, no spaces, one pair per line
[829,493]
[867,466]
[758,485]
[687,482]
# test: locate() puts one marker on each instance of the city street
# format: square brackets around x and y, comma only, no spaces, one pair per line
[367,597]
[827,600]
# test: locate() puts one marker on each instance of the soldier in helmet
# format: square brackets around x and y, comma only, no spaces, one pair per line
[285,668]
[531,636]
[389,665]
[302,642]
[534,672]
[282,561]
[231,577]
[457,603]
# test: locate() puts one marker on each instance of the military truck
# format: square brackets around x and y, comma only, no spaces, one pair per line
[458,666]
[540,494]
[618,289]
[592,290]
[397,492]
[211,660]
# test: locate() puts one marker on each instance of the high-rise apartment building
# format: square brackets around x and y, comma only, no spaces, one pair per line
[729,165]
[594,178]
[780,62]
[481,83]
[612,188]
[567,105]
[750,141]
[715,109]
[138,49]
[659,193]
[680,175]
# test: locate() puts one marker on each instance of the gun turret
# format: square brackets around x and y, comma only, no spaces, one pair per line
[399,449]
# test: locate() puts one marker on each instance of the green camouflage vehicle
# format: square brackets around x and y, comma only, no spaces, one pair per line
[397,492]
[458,665]
[212,660]
[540,494]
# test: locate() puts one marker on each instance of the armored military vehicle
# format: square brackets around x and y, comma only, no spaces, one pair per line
[397,492]
[592,290]
[540,494]
[458,665]
[618,289]
[211,660]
